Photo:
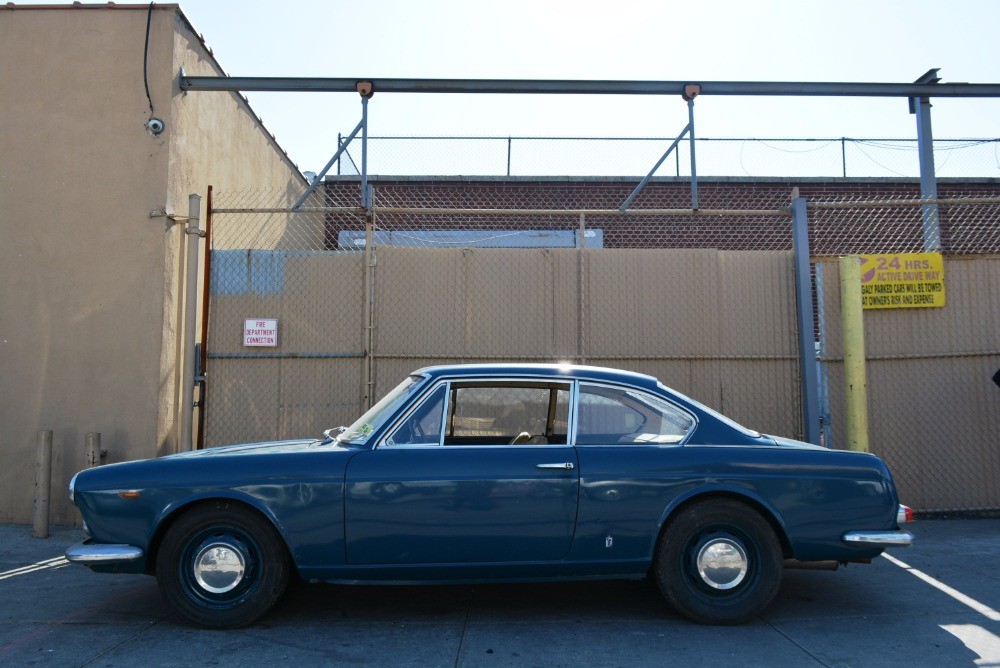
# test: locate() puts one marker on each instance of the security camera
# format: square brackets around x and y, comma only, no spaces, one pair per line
[154,126]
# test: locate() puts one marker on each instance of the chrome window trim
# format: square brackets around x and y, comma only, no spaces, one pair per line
[618,386]
[406,415]
[503,380]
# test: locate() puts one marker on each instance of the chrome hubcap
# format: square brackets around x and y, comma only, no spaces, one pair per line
[722,563]
[219,567]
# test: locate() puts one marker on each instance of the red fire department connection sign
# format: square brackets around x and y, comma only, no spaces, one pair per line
[260,332]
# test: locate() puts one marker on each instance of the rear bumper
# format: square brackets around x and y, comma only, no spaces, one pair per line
[898,538]
[90,554]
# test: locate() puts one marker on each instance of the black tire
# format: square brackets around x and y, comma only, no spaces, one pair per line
[726,592]
[252,578]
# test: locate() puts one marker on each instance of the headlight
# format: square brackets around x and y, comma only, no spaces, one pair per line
[72,488]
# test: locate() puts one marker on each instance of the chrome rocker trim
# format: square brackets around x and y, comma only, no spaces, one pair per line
[886,538]
[87,553]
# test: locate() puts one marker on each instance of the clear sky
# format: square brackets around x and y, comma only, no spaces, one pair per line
[767,40]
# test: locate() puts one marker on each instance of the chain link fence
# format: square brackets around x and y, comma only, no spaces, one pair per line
[476,269]
[843,157]
[932,402]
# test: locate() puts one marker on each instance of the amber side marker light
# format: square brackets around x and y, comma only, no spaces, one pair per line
[130,494]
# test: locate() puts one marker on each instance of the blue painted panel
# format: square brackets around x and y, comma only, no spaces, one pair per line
[451,504]
[240,272]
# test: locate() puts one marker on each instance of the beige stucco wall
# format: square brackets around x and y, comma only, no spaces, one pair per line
[90,283]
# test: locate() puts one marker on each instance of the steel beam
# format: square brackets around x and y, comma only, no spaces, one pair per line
[921,106]
[804,311]
[570,87]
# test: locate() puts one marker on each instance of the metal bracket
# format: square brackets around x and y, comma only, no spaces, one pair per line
[928,77]
[172,217]
[195,230]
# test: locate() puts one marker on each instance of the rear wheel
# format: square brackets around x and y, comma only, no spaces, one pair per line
[719,562]
[222,565]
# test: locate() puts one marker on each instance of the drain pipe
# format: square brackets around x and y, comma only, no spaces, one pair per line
[194,233]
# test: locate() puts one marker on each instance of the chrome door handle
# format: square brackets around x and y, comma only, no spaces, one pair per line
[567,466]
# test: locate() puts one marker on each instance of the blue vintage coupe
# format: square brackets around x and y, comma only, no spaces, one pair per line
[480,473]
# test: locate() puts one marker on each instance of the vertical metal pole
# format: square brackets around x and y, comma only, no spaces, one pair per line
[93,449]
[193,231]
[365,204]
[928,180]
[43,484]
[581,319]
[508,156]
[855,384]
[843,155]
[694,162]
[366,371]
[822,367]
[805,310]
[340,141]
[206,289]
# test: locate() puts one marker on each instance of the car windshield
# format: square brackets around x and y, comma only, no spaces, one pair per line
[714,413]
[376,416]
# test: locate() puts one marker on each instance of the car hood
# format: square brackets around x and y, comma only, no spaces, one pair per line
[262,448]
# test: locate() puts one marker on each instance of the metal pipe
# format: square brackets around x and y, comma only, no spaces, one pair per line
[855,386]
[93,449]
[282,356]
[43,484]
[967,201]
[822,368]
[928,180]
[812,565]
[369,307]
[193,232]
[508,155]
[642,184]
[581,315]
[365,202]
[694,162]
[804,313]
[570,87]
[784,213]
[319,177]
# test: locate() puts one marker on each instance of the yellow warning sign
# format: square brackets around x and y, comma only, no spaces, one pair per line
[902,280]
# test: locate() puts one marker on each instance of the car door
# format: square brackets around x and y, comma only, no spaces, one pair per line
[477,471]
[631,466]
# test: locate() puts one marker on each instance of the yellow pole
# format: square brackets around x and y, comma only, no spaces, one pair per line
[852,321]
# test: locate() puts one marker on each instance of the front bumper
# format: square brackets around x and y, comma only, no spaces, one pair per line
[91,554]
[898,538]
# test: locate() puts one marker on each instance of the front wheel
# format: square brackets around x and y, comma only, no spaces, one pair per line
[222,565]
[719,562]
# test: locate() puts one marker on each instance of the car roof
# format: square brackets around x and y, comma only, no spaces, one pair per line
[569,371]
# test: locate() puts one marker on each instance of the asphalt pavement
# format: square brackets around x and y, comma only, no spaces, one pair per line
[933,604]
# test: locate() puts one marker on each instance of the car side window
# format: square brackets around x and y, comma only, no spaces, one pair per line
[616,415]
[507,414]
[423,425]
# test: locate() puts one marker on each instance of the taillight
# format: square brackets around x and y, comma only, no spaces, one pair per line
[904,514]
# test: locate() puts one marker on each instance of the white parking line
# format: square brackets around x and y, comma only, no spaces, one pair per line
[982,609]
[57,562]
